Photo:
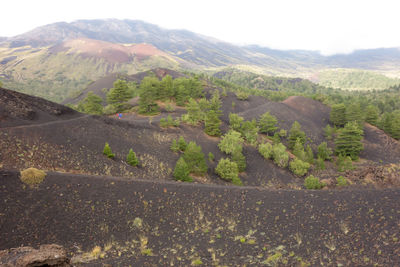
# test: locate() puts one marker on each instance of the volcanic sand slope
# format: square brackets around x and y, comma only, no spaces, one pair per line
[147,223]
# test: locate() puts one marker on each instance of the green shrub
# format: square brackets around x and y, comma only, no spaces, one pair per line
[163,123]
[299,167]
[211,157]
[320,164]
[107,151]
[280,156]
[174,146]
[169,108]
[312,182]
[265,150]
[240,160]
[341,181]
[344,163]
[131,158]
[324,152]
[182,171]
[228,170]
[32,176]
[282,133]
[242,95]
[182,143]
[231,142]
[195,159]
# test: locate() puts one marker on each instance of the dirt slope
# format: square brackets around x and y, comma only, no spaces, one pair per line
[147,223]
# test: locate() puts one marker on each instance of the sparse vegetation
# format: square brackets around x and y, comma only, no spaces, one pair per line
[131,158]
[312,182]
[299,167]
[32,176]
[107,151]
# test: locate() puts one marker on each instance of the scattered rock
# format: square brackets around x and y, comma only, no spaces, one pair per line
[47,255]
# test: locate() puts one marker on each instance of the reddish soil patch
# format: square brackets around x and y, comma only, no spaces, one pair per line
[114,53]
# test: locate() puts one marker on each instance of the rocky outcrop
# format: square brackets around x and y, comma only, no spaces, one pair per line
[47,255]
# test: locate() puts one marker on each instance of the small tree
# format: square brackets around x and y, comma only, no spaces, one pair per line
[296,133]
[298,150]
[281,157]
[344,163]
[182,143]
[92,104]
[299,167]
[174,146]
[212,123]
[371,115]
[182,171]
[195,159]
[320,164]
[235,121]
[267,123]
[348,141]
[231,142]
[119,95]
[131,158]
[341,181]
[324,152]
[211,157]
[338,114]
[312,182]
[240,160]
[328,132]
[309,155]
[228,170]
[107,151]
[265,150]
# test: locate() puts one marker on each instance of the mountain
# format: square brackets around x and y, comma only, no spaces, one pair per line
[58,59]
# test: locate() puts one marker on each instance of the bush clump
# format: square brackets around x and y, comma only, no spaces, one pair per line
[228,170]
[299,167]
[32,176]
[265,150]
[341,181]
[312,182]
[107,151]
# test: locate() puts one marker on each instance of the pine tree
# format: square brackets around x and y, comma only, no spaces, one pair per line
[309,155]
[182,143]
[338,115]
[371,115]
[212,124]
[149,90]
[174,146]
[267,123]
[193,112]
[353,113]
[119,95]
[166,87]
[348,141]
[182,171]
[107,151]
[195,159]
[131,158]
[395,126]
[235,121]
[298,150]
[92,104]
[240,160]
[296,133]
[324,152]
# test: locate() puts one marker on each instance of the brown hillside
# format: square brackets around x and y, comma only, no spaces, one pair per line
[111,52]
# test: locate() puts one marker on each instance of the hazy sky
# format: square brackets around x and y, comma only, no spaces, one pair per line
[330,26]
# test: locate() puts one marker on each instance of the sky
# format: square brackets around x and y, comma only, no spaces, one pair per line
[328,26]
